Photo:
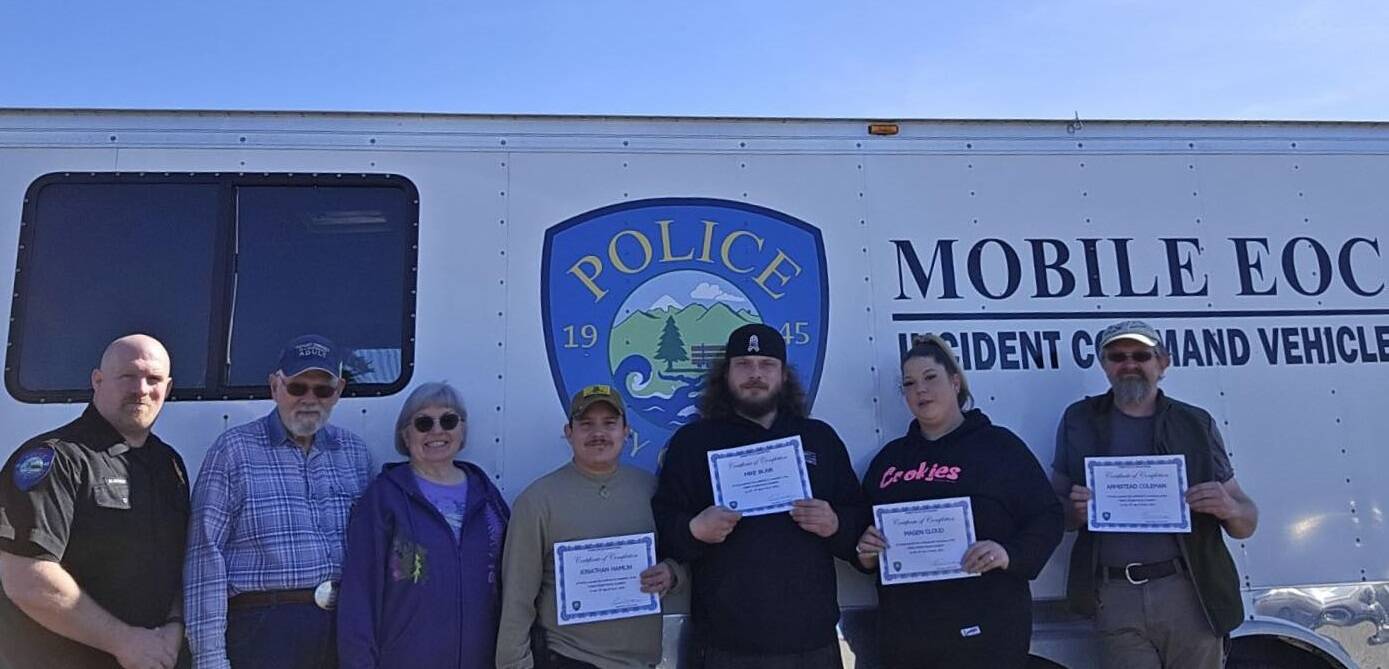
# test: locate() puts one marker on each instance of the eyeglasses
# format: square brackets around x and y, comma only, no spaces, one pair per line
[447,422]
[1118,357]
[298,389]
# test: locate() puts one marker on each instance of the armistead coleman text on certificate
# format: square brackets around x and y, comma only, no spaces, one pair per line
[1145,493]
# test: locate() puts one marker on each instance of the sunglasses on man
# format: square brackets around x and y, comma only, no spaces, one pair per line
[447,422]
[298,389]
[1118,357]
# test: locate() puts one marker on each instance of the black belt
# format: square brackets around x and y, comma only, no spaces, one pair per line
[270,598]
[1138,573]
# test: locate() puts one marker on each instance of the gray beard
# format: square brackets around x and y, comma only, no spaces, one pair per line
[306,427]
[1131,390]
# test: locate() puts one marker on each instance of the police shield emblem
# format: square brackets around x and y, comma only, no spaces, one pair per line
[642,296]
[33,466]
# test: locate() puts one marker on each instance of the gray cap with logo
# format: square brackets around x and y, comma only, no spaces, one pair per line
[1138,331]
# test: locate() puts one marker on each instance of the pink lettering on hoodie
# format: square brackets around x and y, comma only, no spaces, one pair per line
[924,472]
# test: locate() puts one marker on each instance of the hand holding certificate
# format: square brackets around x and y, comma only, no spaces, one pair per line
[600,579]
[926,541]
[760,479]
[1137,494]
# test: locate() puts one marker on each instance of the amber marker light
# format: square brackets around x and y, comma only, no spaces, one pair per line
[882,129]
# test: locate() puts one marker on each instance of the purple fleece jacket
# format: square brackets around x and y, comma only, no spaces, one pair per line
[414,594]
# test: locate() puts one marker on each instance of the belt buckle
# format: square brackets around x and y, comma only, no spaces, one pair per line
[1129,575]
[326,595]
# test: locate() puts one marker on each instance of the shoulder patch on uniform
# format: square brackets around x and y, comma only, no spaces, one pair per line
[33,466]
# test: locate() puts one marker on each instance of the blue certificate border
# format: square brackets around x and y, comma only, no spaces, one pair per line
[1091,464]
[789,442]
[565,615]
[966,510]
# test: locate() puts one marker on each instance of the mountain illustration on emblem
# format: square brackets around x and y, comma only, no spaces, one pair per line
[666,336]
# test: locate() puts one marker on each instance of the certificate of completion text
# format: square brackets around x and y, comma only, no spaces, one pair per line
[600,579]
[925,540]
[1138,494]
[762,478]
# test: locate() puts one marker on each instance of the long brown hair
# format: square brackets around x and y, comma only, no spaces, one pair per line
[717,401]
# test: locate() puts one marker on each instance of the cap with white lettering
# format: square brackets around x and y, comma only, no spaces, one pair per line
[311,352]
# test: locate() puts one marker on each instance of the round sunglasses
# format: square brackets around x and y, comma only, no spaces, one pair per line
[447,422]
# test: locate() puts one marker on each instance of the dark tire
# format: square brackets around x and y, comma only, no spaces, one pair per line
[1271,653]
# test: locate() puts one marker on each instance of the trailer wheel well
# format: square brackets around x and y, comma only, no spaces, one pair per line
[1277,652]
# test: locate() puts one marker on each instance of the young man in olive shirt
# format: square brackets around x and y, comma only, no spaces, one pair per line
[591,497]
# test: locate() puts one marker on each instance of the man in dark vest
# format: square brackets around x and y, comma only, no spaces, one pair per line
[1159,599]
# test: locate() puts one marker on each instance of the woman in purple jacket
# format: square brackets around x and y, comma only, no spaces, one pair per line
[420,585]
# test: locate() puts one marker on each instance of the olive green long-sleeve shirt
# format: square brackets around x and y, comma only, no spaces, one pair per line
[569,505]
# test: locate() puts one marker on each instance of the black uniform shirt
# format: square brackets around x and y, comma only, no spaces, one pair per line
[115,518]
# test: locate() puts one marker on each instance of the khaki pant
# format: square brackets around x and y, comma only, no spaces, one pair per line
[1159,624]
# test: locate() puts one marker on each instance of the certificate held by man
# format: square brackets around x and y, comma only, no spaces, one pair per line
[760,479]
[600,579]
[926,540]
[1144,493]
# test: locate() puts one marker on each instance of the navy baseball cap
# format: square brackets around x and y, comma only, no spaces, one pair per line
[755,339]
[311,352]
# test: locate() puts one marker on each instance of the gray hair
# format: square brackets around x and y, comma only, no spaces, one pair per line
[432,394]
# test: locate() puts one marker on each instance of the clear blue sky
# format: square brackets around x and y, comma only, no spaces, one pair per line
[1277,59]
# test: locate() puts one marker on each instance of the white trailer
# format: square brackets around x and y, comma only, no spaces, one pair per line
[521,257]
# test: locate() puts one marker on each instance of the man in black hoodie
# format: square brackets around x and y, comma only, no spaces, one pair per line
[764,591]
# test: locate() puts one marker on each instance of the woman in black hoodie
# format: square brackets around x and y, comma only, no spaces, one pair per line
[951,450]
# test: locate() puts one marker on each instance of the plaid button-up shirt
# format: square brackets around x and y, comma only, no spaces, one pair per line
[266,516]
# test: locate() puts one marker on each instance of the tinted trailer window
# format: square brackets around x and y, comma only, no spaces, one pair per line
[222,268]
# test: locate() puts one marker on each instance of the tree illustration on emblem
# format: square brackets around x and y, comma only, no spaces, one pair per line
[671,349]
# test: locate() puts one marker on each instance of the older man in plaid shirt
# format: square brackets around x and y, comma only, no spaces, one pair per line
[269,518]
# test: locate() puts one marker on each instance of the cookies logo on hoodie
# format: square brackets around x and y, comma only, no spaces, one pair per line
[642,296]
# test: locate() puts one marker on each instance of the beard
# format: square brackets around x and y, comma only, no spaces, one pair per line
[1131,389]
[756,409]
[306,424]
